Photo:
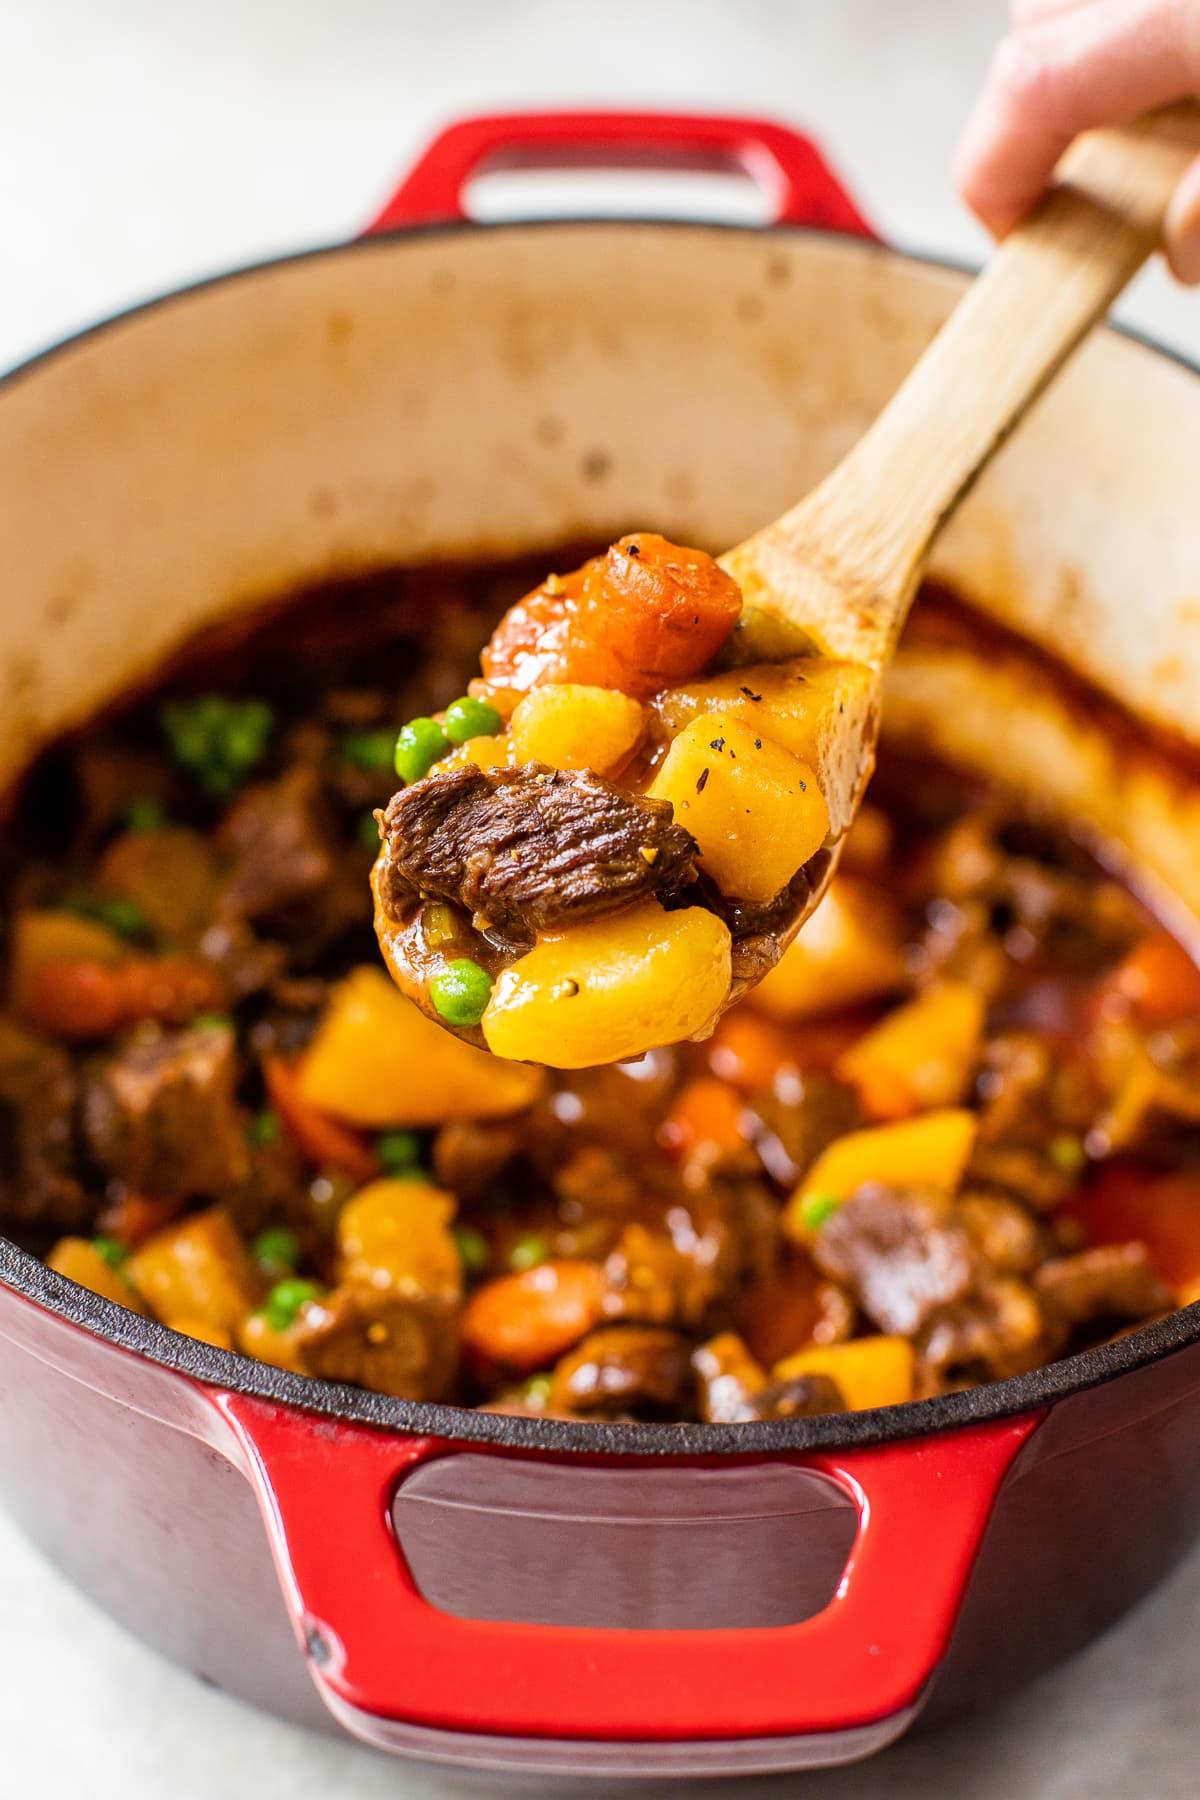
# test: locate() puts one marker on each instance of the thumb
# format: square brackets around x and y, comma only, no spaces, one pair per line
[1182,228]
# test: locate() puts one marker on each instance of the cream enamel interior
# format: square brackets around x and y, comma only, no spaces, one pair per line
[473,392]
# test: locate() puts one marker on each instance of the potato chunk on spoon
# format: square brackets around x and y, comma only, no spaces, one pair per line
[639,804]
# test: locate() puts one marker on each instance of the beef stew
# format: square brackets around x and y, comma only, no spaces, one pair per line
[950,1137]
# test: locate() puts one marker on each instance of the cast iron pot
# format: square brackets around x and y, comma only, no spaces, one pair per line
[542,1595]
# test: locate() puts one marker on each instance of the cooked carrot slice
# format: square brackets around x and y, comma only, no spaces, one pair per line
[132,1218]
[656,611]
[324,1141]
[525,1321]
[531,642]
[1159,981]
[88,999]
[705,1112]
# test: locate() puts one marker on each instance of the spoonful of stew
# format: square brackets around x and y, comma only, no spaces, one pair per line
[643,796]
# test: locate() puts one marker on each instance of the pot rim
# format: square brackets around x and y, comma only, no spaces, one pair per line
[228,1370]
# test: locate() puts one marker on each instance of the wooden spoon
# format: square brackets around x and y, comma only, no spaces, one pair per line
[842,567]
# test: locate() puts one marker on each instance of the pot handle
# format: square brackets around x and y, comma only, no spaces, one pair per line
[787,166]
[380,1652]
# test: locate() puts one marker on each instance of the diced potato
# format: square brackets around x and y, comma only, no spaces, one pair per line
[814,706]
[569,726]
[199,1269]
[377,1061]
[256,1336]
[80,1261]
[922,1055]
[477,752]
[43,938]
[203,1332]
[871,1371]
[171,875]
[609,990]
[755,810]
[847,953]
[396,1235]
[931,1151]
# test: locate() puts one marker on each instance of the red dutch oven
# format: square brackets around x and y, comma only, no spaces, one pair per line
[542,1595]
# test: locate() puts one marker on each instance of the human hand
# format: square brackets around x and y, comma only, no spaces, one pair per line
[1068,65]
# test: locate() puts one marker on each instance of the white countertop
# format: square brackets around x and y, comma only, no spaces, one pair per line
[143,145]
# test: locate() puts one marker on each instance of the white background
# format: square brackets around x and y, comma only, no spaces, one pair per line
[145,143]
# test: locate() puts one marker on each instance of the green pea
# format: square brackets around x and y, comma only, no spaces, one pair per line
[469,718]
[472,1247]
[537,1390]
[370,751]
[418,747]
[216,739]
[245,733]
[277,1251]
[1067,1153]
[285,1300]
[263,1129]
[123,916]
[527,1253]
[816,1208]
[144,814]
[114,1254]
[212,1021]
[461,991]
[398,1151]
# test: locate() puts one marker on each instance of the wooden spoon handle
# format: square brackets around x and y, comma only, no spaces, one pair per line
[870,523]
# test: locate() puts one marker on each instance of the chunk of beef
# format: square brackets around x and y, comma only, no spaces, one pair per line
[728,1380]
[793,1123]
[1006,1236]
[683,1253]
[38,1089]
[286,871]
[1152,1088]
[801,1397]
[1110,1281]
[277,1190]
[1038,1104]
[734,1388]
[791,1307]
[594,1179]
[619,1104]
[530,848]
[997,1331]
[900,1251]
[653,1279]
[1033,900]
[393,1343]
[1032,1091]
[160,1112]
[468,1154]
[623,1368]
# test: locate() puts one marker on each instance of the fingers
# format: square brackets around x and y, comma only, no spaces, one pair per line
[1183,228]
[1093,63]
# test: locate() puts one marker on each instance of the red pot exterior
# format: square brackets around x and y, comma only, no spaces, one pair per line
[150,1489]
[603,1609]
